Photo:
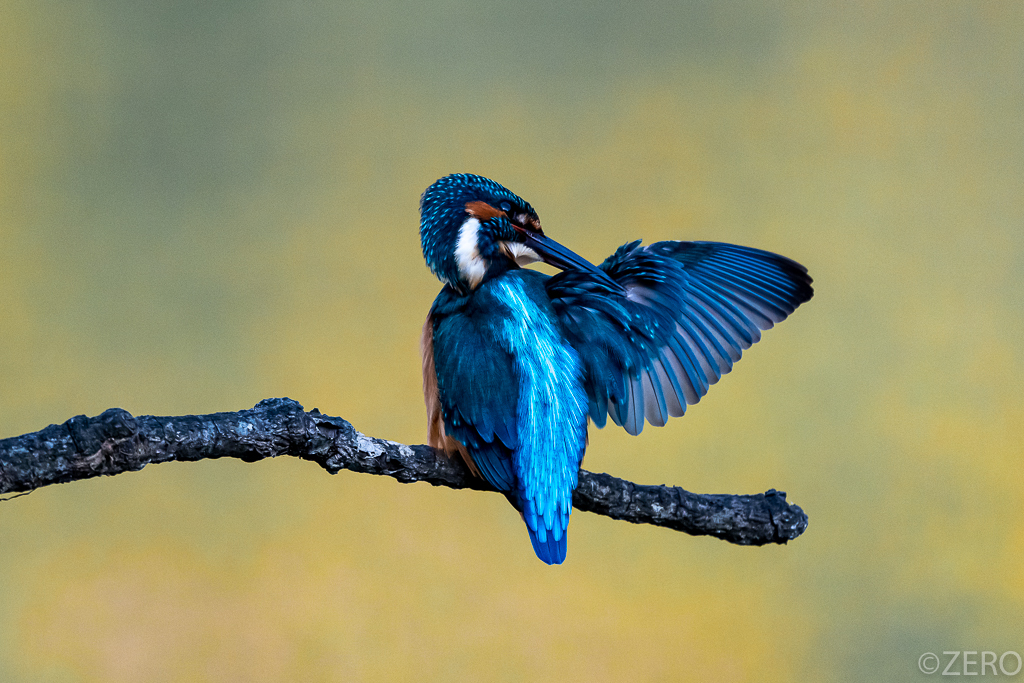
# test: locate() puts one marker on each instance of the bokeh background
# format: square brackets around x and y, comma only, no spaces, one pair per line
[204,204]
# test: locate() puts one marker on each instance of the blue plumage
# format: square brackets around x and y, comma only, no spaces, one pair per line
[551,411]
[516,362]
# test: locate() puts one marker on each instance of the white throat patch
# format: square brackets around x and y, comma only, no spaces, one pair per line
[472,266]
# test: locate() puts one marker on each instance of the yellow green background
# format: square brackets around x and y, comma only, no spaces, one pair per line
[204,204]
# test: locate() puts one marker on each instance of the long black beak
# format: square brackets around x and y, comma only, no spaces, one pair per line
[558,256]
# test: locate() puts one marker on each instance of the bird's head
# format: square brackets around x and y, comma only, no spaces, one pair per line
[472,227]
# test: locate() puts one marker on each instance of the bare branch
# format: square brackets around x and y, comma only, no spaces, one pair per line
[115,442]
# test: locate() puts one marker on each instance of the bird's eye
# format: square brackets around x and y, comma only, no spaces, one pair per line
[505,206]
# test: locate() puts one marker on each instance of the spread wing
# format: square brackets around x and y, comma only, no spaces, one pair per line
[688,311]
[471,392]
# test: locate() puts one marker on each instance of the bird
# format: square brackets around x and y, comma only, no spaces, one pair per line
[517,363]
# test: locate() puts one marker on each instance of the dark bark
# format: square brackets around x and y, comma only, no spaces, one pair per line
[116,442]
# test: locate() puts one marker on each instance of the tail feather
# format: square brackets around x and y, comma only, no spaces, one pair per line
[549,550]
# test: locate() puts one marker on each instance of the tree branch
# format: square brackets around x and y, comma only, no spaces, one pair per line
[116,442]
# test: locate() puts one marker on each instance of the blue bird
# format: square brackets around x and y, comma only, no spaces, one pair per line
[517,363]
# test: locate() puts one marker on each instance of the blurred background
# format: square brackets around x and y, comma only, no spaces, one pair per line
[204,204]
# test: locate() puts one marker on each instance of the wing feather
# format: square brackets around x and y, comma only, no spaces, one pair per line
[675,399]
[684,316]
[654,398]
[471,391]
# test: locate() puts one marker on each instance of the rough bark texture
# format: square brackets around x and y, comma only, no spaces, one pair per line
[116,442]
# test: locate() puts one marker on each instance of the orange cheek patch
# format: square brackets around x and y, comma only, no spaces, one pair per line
[482,211]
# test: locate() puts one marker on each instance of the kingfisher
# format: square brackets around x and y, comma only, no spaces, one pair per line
[516,363]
